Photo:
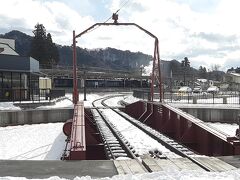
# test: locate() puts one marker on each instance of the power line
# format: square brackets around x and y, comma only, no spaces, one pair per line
[121,6]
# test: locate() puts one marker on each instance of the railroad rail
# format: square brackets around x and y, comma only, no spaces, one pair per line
[112,140]
[169,143]
[115,144]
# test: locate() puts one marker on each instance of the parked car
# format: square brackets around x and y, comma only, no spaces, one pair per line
[213,89]
[185,89]
[197,90]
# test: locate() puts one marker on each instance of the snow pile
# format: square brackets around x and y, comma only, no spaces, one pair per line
[58,104]
[131,99]
[8,106]
[32,142]
[229,129]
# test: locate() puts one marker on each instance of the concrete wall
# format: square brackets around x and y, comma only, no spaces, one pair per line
[35,116]
[228,115]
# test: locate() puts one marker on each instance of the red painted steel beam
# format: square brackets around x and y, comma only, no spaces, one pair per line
[75,86]
[189,130]
[156,71]
[78,137]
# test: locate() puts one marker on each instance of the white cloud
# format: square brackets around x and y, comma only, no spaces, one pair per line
[175,24]
[57,17]
[206,37]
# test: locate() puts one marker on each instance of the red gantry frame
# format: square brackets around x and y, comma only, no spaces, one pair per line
[156,70]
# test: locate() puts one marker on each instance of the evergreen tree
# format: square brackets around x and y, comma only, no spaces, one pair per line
[202,72]
[42,47]
[185,62]
[52,51]
[186,65]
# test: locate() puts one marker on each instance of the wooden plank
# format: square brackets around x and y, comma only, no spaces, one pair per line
[186,164]
[210,163]
[223,164]
[192,165]
[151,165]
[166,164]
[205,163]
[122,167]
[135,166]
[118,167]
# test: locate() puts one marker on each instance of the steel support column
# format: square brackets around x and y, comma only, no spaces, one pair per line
[75,86]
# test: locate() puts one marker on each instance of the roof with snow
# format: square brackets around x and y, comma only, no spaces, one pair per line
[202,80]
[235,74]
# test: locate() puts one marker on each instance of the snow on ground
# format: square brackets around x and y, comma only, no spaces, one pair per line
[90,98]
[163,175]
[46,142]
[114,101]
[131,99]
[141,142]
[58,104]
[32,142]
[229,129]
[8,106]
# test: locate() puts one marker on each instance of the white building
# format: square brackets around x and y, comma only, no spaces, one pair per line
[233,79]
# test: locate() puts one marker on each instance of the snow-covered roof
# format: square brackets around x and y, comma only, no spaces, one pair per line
[6,49]
[235,74]
[213,88]
[202,80]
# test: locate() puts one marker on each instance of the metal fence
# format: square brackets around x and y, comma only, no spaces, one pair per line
[232,97]
[227,97]
[10,94]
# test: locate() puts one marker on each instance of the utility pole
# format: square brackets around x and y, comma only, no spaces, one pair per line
[75,87]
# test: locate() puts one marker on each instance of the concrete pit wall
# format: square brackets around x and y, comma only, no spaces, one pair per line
[224,115]
[35,116]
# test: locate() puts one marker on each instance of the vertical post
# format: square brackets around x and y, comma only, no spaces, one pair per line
[153,74]
[141,70]
[213,97]
[171,84]
[238,97]
[159,72]
[84,87]
[75,88]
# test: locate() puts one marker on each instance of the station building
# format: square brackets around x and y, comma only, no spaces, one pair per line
[19,75]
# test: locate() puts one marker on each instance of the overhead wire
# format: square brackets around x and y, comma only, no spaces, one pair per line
[124,3]
[121,6]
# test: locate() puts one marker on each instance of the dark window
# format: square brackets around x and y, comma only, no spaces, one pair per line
[15,80]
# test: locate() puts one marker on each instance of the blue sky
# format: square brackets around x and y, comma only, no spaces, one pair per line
[201,5]
[206,31]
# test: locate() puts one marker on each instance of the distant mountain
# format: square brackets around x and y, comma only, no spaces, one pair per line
[108,58]
[22,41]
[105,58]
